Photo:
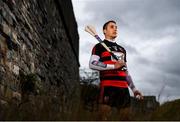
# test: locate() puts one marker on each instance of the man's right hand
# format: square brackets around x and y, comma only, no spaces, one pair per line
[119,64]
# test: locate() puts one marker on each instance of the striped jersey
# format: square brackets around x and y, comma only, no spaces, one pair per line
[111,77]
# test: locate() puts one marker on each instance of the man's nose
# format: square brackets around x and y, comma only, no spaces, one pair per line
[115,29]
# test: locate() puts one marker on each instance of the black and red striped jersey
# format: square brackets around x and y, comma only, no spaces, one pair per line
[118,50]
[110,76]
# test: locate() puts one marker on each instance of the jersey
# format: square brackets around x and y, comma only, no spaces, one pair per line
[102,58]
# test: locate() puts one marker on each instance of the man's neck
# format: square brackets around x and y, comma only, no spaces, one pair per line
[110,40]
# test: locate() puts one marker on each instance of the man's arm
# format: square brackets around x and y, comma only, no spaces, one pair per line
[130,82]
[95,64]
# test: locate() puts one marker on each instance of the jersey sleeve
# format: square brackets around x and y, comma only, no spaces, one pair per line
[124,51]
[96,50]
[94,62]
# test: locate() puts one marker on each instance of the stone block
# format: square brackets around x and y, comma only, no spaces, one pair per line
[16,69]
[16,95]
[2,70]
[6,28]
[3,51]
[1,41]
[23,47]
[1,19]
[14,36]
[8,93]
[1,90]
[9,55]
[7,15]
[3,102]
[9,65]
[32,67]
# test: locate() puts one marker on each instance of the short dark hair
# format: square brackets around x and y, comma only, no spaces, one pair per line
[105,25]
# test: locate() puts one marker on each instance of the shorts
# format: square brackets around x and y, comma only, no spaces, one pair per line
[115,97]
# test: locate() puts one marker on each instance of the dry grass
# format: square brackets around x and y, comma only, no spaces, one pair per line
[43,107]
[167,111]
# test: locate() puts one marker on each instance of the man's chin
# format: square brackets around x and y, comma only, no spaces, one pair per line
[114,37]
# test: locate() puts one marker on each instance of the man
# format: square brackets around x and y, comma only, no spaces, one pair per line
[114,76]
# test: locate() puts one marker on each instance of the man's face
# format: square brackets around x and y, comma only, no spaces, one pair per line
[111,31]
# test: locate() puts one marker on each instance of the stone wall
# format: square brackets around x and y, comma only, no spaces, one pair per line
[39,38]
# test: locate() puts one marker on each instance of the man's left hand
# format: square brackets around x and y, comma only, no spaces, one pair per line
[138,95]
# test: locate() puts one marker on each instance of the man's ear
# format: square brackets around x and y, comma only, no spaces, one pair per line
[104,31]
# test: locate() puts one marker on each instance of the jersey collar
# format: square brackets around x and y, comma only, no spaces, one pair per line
[112,41]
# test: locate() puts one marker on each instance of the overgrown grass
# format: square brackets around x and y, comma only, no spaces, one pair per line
[52,107]
[167,111]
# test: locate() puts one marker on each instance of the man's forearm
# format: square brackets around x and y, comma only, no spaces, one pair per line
[95,64]
[130,83]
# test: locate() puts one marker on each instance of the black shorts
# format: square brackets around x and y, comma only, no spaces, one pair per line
[116,97]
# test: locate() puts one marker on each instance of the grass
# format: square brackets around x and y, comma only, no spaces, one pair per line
[49,107]
[167,111]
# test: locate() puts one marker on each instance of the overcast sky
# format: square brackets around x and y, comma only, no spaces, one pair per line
[149,30]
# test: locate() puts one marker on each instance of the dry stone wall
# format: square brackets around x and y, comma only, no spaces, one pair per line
[39,46]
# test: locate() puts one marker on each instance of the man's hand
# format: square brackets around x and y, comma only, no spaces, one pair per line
[119,64]
[138,95]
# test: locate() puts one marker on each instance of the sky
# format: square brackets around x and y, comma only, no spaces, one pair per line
[149,30]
